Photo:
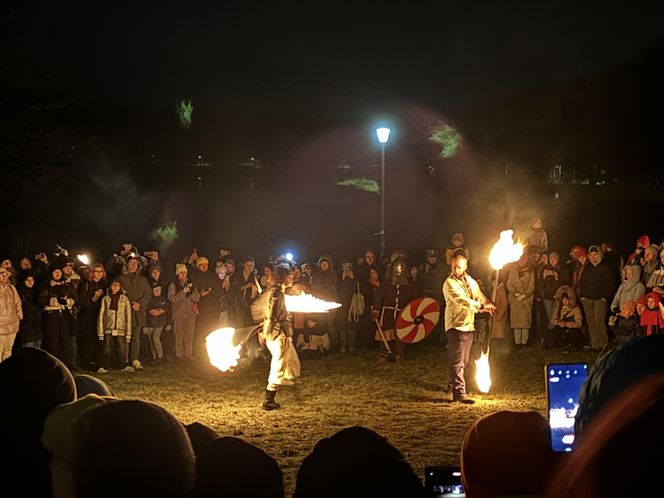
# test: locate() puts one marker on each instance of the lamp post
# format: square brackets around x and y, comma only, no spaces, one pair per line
[383,135]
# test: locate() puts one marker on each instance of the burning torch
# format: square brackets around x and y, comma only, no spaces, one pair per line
[504,251]
[224,345]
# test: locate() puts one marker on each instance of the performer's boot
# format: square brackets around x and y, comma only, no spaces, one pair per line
[269,403]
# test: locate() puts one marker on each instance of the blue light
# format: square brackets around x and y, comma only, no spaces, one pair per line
[289,256]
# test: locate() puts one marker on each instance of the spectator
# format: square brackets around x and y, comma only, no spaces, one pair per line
[115,322]
[615,458]
[30,329]
[233,468]
[652,318]
[158,317]
[183,295]
[521,292]
[626,326]
[596,288]
[615,372]
[139,293]
[537,237]
[356,461]
[154,449]
[32,383]
[324,285]
[498,447]
[656,282]
[11,313]
[200,435]
[87,384]
[567,321]
[631,287]
[91,291]
[57,299]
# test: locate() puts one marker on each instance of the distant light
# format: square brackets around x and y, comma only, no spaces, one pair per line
[383,134]
[289,256]
[200,156]
[557,196]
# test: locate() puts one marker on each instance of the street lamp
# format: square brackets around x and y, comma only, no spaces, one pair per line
[383,136]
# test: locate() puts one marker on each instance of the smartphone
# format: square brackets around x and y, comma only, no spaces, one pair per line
[563,385]
[442,481]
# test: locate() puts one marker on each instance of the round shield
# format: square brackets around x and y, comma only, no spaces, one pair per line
[417,319]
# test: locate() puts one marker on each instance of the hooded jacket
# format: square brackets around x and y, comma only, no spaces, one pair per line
[629,290]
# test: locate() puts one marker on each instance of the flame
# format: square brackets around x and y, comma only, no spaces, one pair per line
[483,373]
[222,352]
[505,250]
[306,303]
[83,259]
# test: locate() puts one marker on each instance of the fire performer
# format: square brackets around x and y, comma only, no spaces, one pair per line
[276,334]
[463,298]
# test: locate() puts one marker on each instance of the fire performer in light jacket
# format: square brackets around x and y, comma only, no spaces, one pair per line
[463,298]
[277,334]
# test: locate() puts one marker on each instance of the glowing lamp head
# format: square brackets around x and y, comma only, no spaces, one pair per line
[383,134]
[289,256]
[84,259]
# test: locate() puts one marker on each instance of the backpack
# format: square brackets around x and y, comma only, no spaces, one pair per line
[356,306]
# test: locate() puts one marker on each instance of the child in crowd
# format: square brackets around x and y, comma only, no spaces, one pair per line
[652,317]
[567,321]
[115,322]
[158,317]
[626,325]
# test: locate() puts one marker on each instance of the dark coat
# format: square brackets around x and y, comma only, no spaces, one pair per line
[30,328]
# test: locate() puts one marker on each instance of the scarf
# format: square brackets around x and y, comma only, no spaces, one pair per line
[115,299]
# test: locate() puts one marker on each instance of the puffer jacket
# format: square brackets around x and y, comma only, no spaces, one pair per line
[11,311]
[119,320]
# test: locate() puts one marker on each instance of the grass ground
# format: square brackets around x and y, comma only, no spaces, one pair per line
[404,402]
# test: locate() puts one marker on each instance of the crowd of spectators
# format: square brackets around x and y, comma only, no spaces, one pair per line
[73,430]
[126,312]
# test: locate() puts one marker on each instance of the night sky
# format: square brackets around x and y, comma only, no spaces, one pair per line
[329,58]
[304,85]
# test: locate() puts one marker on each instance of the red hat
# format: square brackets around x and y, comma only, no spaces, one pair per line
[578,252]
[643,241]
[643,301]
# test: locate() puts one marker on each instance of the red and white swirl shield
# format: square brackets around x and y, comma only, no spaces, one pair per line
[417,319]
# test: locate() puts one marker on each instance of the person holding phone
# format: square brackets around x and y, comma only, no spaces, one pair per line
[463,299]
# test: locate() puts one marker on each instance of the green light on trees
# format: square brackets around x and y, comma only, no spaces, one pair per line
[448,138]
[165,235]
[185,109]
[364,184]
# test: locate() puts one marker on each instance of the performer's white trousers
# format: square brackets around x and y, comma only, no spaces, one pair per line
[285,364]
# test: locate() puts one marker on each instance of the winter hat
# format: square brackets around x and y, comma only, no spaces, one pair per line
[643,301]
[131,256]
[431,252]
[643,241]
[457,236]
[346,265]
[595,249]
[398,254]
[24,274]
[577,252]
[180,267]
[202,260]
[325,257]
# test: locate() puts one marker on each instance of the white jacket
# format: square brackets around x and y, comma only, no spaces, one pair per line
[462,303]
